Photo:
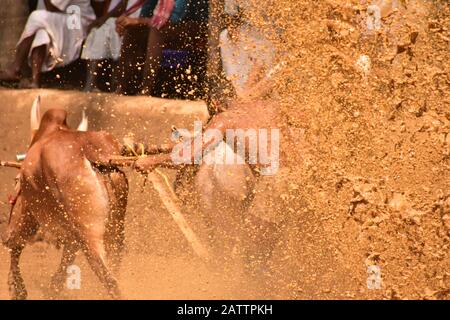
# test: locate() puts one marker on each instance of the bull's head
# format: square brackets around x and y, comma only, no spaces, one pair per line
[35,119]
[35,123]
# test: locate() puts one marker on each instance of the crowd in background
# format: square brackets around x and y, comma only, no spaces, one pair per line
[135,39]
[126,33]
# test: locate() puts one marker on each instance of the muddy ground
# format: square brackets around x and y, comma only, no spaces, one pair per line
[369,170]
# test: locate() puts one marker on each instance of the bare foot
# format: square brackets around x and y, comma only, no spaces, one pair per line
[91,89]
[9,75]
[34,85]
[27,84]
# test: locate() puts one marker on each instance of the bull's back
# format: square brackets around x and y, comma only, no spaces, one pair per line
[66,146]
[60,179]
[64,158]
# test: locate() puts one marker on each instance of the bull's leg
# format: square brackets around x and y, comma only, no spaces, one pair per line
[20,229]
[95,254]
[59,278]
[88,219]
[91,241]
[15,281]
[90,236]
[115,228]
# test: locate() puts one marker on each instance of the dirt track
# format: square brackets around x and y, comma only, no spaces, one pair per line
[158,263]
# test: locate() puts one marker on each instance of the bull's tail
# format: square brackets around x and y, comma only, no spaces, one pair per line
[12,200]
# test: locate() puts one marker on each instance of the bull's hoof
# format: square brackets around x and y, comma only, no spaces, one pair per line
[17,290]
[56,287]
[113,289]
[22,295]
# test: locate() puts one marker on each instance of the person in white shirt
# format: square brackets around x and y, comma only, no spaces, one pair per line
[52,37]
[247,54]
[103,41]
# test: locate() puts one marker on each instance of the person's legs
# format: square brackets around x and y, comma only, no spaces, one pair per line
[91,78]
[155,46]
[103,43]
[38,56]
[94,46]
[13,72]
[132,55]
[114,72]
[182,35]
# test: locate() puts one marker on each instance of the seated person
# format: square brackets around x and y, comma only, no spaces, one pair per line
[158,18]
[52,37]
[103,41]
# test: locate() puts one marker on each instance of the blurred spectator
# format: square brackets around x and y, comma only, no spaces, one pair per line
[52,37]
[247,54]
[161,19]
[103,41]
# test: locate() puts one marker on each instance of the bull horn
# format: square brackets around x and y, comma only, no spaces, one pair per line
[35,116]
[83,126]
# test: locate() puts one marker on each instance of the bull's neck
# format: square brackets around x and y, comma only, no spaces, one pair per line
[47,130]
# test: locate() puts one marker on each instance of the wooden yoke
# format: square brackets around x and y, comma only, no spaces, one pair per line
[10,164]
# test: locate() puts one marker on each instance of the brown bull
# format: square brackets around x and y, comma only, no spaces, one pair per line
[65,194]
